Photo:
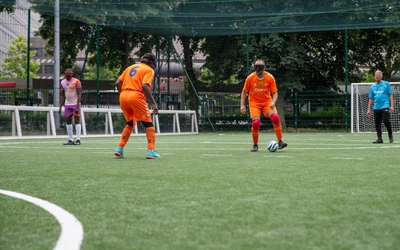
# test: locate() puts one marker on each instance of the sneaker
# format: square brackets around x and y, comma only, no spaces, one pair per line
[282,144]
[69,142]
[379,140]
[151,154]
[391,139]
[254,148]
[119,152]
[77,142]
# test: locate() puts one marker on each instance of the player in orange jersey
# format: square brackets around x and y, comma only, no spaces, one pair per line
[260,87]
[134,87]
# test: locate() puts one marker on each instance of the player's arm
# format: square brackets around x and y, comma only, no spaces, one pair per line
[62,99]
[118,83]
[149,96]
[78,102]
[370,100]
[243,97]
[391,109]
[274,99]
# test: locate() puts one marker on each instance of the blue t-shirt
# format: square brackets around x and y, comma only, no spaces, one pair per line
[380,93]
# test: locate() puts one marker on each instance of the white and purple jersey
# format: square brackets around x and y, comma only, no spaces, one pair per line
[70,87]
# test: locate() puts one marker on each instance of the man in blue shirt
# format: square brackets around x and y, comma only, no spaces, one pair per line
[380,94]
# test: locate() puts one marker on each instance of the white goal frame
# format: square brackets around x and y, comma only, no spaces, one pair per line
[109,128]
[360,123]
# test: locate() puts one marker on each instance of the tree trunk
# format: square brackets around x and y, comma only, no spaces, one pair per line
[279,106]
[187,53]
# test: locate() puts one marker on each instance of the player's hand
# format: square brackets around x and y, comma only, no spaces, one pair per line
[391,110]
[272,105]
[368,113]
[155,108]
[242,109]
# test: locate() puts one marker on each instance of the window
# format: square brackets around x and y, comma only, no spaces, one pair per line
[49,69]
[39,52]
[40,71]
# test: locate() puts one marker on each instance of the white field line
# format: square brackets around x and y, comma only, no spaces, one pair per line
[345,158]
[71,236]
[217,155]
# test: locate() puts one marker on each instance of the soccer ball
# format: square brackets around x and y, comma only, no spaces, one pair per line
[272,146]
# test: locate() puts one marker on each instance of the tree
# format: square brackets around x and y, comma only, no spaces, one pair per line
[7,5]
[15,64]
[105,74]
[379,49]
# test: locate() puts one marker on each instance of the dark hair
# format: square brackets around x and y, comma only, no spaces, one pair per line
[148,58]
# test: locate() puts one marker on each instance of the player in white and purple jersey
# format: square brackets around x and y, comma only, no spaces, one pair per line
[70,91]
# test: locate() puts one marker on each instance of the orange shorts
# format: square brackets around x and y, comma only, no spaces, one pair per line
[134,106]
[257,108]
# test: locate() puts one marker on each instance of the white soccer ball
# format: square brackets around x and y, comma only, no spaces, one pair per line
[272,146]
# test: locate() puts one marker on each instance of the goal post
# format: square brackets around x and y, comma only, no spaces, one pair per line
[360,123]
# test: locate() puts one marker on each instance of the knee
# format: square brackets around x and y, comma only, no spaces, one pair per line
[255,124]
[130,123]
[147,124]
[275,119]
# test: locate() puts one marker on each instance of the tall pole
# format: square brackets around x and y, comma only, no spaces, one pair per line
[346,80]
[28,60]
[56,97]
[247,73]
[97,65]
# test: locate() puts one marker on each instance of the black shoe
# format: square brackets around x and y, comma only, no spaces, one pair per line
[379,140]
[69,142]
[391,139]
[254,148]
[77,142]
[282,144]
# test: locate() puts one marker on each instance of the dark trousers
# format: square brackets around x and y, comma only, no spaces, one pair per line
[382,115]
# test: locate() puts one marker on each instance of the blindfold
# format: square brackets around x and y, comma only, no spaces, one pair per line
[259,67]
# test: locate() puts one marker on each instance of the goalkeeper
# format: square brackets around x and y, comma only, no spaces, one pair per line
[380,94]
[259,86]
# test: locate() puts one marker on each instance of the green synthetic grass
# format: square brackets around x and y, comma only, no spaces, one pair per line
[208,191]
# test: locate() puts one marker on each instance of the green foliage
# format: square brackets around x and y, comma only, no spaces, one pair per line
[379,49]
[7,5]
[104,73]
[15,64]
[368,77]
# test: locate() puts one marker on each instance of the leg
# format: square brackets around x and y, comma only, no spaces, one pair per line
[126,133]
[151,140]
[255,132]
[276,121]
[78,127]
[69,111]
[378,125]
[388,125]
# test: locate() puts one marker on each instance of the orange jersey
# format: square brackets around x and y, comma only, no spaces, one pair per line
[135,75]
[259,91]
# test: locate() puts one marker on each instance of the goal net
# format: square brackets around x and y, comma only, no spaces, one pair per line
[360,123]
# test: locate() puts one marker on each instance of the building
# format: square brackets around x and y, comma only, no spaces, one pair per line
[14,24]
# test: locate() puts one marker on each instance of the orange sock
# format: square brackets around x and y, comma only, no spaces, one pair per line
[151,138]
[278,132]
[126,133]
[255,134]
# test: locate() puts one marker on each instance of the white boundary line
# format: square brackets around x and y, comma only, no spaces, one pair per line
[71,236]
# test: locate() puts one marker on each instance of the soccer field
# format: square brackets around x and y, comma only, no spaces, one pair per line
[208,191]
